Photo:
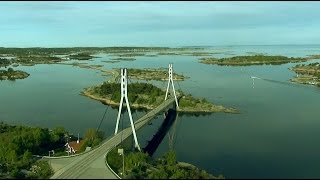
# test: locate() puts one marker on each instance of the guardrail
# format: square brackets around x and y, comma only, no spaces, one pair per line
[107,164]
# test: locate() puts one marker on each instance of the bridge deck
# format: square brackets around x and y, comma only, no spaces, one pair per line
[92,164]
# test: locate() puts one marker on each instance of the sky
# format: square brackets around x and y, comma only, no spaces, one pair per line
[166,23]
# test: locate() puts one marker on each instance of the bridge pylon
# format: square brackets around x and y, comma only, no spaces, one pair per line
[170,79]
[124,95]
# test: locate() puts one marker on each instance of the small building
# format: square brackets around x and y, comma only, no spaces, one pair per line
[75,146]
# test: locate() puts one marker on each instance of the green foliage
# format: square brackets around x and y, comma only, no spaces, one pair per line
[136,159]
[114,160]
[188,101]
[81,56]
[4,62]
[139,165]
[58,134]
[91,138]
[252,60]
[20,143]
[312,69]
[26,157]
[12,74]
[170,158]
[152,74]
[140,93]
[40,170]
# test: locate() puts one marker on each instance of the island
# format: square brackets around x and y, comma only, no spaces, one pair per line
[129,54]
[31,60]
[12,75]
[252,60]
[111,61]
[123,59]
[200,53]
[168,53]
[98,67]
[151,55]
[153,74]
[314,56]
[81,56]
[148,96]
[307,74]
[160,74]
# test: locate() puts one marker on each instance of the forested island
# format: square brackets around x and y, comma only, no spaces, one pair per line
[252,60]
[307,74]
[160,74]
[12,75]
[148,96]
[130,54]
[123,59]
[139,165]
[153,74]
[81,56]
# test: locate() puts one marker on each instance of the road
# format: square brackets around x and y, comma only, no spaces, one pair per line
[92,165]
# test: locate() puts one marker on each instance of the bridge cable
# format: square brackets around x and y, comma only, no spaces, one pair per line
[134,110]
[151,115]
[116,80]
[179,86]
[163,83]
[105,112]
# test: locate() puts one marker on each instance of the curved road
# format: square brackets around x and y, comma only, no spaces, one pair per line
[92,165]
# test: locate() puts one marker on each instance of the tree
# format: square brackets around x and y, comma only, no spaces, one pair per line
[10,70]
[12,156]
[170,158]
[57,134]
[26,157]
[60,131]
[92,137]
[40,170]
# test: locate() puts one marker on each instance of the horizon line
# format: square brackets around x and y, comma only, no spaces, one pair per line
[159,46]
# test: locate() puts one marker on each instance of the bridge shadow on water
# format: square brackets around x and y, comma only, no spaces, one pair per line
[162,131]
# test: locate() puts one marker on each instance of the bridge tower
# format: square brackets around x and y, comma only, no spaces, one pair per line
[171,80]
[124,95]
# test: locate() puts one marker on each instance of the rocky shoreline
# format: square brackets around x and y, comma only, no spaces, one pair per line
[199,108]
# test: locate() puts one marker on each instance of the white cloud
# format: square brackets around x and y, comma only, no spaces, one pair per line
[165,23]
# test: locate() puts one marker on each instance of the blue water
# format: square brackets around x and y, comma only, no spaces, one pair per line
[275,136]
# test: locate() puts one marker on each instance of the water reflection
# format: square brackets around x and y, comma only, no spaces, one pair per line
[153,144]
